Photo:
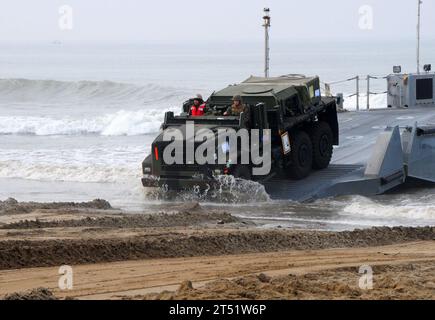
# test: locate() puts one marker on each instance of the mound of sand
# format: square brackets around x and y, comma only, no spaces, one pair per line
[39,253]
[165,220]
[409,281]
[35,294]
[12,206]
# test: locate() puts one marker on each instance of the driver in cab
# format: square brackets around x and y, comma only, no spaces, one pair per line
[236,108]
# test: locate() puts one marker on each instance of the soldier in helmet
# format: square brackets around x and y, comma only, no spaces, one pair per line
[236,108]
[198,108]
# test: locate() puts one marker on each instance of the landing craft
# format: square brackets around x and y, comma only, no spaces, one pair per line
[379,149]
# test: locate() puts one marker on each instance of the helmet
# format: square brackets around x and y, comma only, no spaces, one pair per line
[237,98]
[198,97]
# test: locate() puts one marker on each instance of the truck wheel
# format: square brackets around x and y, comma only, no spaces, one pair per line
[242,172]
[301,156]
[322,137]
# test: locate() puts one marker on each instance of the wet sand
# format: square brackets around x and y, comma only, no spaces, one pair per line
[190,253]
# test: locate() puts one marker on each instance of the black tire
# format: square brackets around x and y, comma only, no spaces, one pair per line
[301,156]
[322,138]
[242,172]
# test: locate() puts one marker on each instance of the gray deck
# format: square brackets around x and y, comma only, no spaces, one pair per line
[359,132]
[309,188]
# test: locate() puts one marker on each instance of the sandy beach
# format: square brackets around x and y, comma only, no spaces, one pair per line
[191,253]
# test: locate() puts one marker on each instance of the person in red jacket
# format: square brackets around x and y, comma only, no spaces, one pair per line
[198,107]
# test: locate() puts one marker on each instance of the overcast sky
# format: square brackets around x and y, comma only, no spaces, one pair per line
[205,20]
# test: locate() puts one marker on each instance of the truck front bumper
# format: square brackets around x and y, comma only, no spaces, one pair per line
[177,183]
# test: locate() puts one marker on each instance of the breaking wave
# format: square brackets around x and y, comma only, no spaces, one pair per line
[369,208]
[25,90]
[69,172]
[49,107]
[119,123]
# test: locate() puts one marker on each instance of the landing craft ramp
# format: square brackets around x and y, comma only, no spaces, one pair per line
[379,150]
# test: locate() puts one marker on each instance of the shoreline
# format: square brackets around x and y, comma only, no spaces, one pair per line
[37,238]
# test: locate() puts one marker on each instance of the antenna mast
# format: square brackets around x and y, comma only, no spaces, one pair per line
[266,26]
[418,35]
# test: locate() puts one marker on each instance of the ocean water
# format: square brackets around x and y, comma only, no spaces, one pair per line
[76,121]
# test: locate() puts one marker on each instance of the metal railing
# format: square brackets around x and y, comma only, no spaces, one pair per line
[357,93]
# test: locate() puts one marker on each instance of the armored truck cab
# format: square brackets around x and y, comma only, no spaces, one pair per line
[303,128]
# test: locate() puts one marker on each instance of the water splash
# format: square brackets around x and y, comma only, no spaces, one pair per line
[227,190]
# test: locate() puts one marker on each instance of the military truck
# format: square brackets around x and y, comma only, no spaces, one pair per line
[302,124]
